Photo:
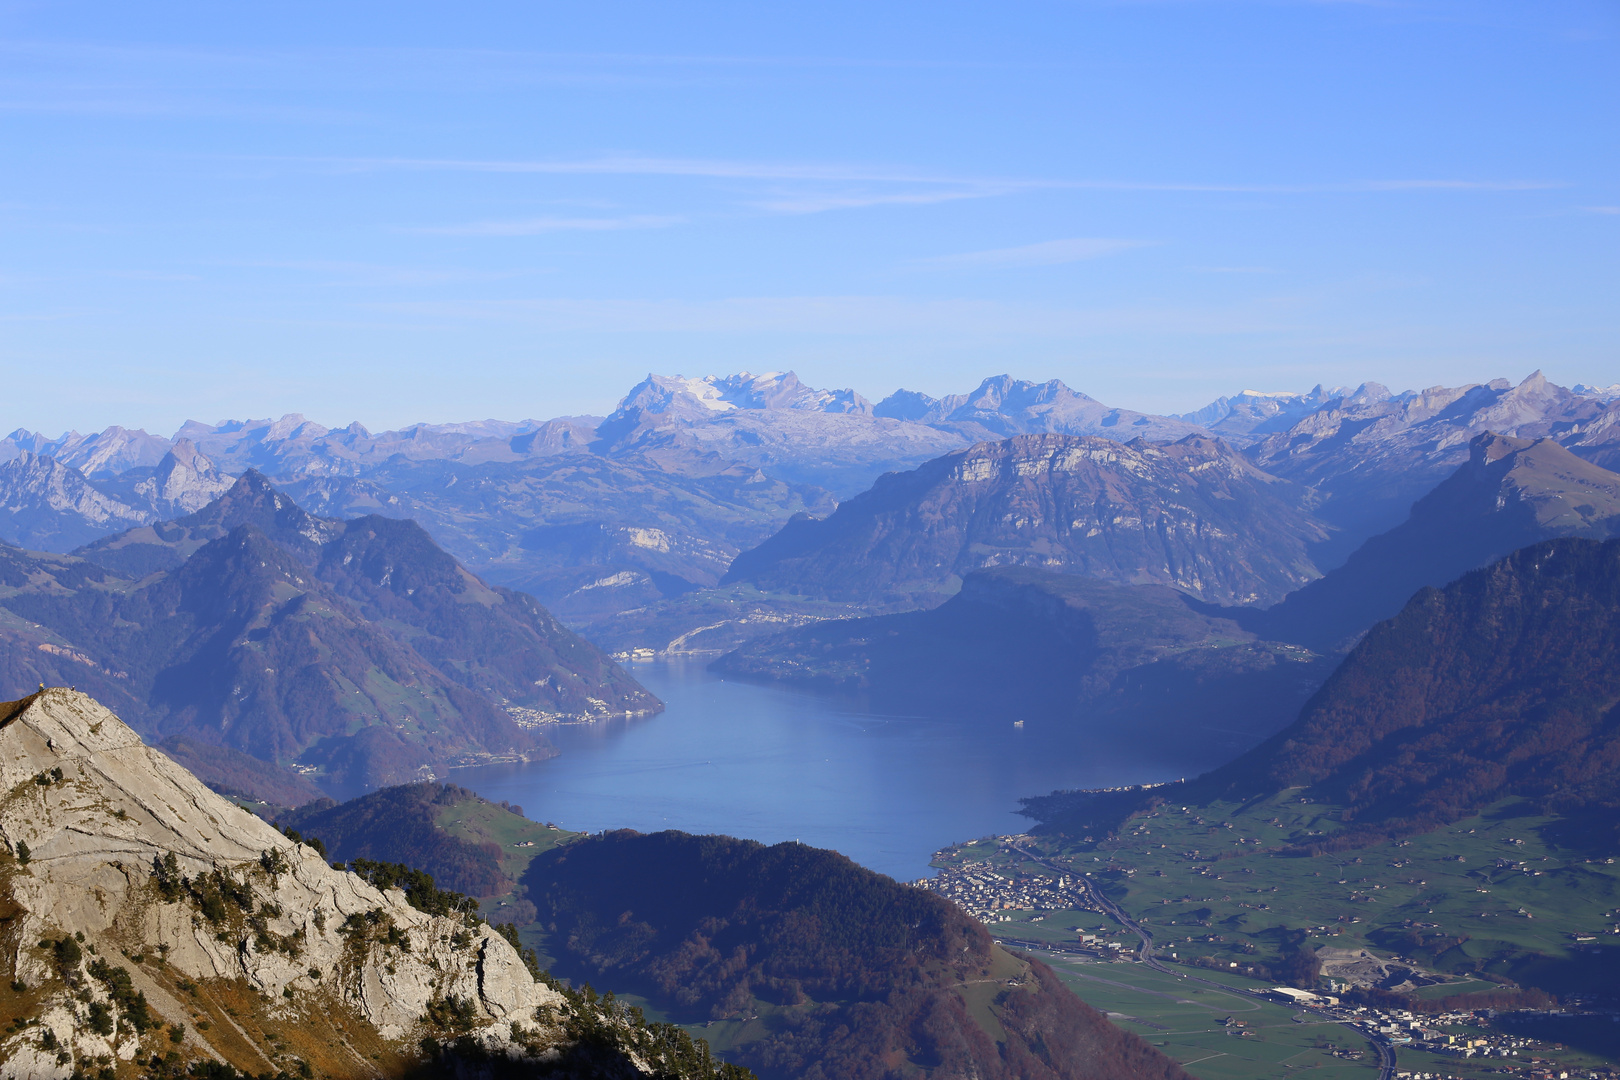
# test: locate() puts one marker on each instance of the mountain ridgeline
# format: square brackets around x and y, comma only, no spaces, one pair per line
[816,968]
[1504,684]
[1192,514]
[634,512]
[1509,494]
[358,649]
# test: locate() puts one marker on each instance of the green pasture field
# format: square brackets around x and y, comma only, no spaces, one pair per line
[1185,1021]
[481,822]
[1213,881]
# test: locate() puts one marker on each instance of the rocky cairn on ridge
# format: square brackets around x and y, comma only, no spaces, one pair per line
[145,916]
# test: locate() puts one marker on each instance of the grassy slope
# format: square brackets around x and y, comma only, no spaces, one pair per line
[478,822]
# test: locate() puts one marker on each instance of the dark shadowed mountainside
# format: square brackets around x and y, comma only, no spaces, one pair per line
[400,825]
[358,649]
[492,640]
[815,967]
[1019,644]
[1193,514]
[1504,684]
[1510,493]
[238,775]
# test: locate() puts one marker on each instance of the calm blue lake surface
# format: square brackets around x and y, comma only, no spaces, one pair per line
[772,765]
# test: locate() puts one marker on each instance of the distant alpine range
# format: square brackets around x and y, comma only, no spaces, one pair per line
[601,515]
[282,604]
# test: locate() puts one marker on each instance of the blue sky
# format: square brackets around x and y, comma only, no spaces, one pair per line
[400,212]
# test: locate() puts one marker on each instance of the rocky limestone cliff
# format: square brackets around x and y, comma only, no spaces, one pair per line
[1192,514]
[233,942]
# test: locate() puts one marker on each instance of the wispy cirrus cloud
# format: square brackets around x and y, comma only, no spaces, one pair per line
[1601,209]
[816,203]
[734,169]
[1045,253]
[537,226]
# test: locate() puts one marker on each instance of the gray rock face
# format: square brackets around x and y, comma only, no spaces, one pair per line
[48,505]
[1194,515]
[184,482]
[109,807]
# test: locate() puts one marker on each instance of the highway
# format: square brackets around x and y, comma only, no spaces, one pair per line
[1385,1049]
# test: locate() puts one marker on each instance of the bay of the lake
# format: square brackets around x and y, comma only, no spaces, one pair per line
[772,764]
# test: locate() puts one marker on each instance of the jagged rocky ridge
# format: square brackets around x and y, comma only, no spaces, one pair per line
[1509,494]
[358,648]
[151,921]
[1193,514]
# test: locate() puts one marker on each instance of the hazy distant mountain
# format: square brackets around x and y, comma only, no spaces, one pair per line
[359,647]
[1194,514]
[1247,416]
[102,453]
[581,531]
[772,422]
[1601,393]
[183,481]
[46,505]
[1368,457]
[1510,493]
[1004,406]
[1055,650]
[599,516]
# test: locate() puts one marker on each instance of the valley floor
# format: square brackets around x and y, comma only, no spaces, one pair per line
[1504,900]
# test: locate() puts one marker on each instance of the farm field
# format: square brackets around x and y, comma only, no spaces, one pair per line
[1502,897]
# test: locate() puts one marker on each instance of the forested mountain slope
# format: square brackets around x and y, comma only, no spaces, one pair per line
[1504,684]
[815,967]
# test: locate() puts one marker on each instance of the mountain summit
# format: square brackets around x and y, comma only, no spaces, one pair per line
[1193,514]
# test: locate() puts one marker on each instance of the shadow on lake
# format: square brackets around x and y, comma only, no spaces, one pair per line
[773,764]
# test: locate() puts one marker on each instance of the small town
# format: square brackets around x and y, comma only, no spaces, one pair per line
[987,894]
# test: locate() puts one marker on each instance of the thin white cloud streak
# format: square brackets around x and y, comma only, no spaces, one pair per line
[1233,269]
[720,169]
[541,225]
[1046,253]
[816,204]
[701,168]
[1601,209]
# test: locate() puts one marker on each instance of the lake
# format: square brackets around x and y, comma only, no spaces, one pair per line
[773,764]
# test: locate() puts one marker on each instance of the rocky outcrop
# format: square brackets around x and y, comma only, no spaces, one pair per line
[183,482]
[51,506]
[110,846]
